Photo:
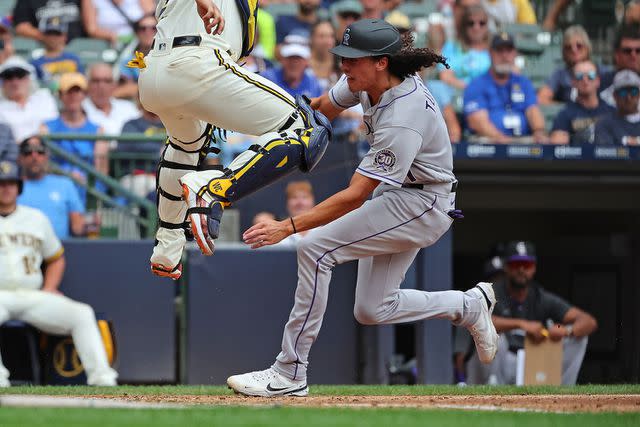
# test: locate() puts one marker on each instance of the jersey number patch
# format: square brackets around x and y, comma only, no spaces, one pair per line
[385,160]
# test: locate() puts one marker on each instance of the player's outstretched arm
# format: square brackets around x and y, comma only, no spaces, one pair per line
[325,106]
[271,232]
[211,16]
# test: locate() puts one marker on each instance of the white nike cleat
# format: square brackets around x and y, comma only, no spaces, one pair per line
[482,330]
[267,383]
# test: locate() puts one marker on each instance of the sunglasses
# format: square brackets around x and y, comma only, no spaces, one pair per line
[590,75]
[472,23]
[29,151]
[576,46]
[627,91]
[629,50]
[105,80]
[14,74]
[146,28]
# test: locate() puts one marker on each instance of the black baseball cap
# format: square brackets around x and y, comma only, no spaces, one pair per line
[520,251]
[502,39]
[368,37]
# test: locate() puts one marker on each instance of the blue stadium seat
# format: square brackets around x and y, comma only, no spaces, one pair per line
[27,48]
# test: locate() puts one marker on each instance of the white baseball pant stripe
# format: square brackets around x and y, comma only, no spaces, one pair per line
[57,314]
[385,235]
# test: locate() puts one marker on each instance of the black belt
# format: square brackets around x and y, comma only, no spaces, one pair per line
[182,41]
[454,186]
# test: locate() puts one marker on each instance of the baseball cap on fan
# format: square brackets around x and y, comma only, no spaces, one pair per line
[368,37]
[626,78]
[520,251]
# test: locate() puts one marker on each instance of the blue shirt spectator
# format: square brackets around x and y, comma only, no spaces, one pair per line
[48,69]
[295,76]
[82,148]
[576,120]
[308,85]
[467,64]
[621,127]
[290,24]
[56,196]
[506,104]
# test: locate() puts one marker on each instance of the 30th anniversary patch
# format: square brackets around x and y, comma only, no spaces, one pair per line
[385,160]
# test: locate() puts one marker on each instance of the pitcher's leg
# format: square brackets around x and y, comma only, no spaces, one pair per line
[58,314]
[380,300]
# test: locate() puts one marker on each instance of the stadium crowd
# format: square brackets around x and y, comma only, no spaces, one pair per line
[63,70]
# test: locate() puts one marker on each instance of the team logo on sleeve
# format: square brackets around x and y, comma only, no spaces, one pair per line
[384,160]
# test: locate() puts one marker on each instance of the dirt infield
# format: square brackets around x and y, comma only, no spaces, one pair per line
[541,403]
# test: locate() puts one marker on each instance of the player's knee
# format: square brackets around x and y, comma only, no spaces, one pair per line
[367,314]
[84,313]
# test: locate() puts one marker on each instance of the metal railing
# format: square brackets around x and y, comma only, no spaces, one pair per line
[120,202]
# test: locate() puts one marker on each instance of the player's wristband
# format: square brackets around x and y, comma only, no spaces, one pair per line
[293,225]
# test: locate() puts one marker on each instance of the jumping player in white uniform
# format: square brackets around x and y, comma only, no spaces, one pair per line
[191,80]
[26,240]
[409,169]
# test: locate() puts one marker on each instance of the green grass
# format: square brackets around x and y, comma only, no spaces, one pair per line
[335,390]
[310,417]
[301,417]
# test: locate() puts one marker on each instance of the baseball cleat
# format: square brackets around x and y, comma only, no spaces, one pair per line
[199,220]
[482,330]
[164,271]
[267,383]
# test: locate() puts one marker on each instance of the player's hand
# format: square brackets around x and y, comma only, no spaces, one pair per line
[266,233]
[211,16]
[535,330]
[557,332]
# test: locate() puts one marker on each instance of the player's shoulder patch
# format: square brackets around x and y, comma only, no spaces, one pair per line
[384,160]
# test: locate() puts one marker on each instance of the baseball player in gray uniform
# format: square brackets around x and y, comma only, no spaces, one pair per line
[192,81]
[409,169]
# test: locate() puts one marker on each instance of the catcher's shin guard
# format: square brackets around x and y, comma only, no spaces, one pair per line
[252,170]
[178,158]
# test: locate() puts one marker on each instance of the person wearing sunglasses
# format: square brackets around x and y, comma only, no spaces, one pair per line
[621,127]
[55,61]
[55,195]
[525,308]
[500,106]
[626,56]
[24,107]
[574,122]
[576,47]
[127,77]
[468,55]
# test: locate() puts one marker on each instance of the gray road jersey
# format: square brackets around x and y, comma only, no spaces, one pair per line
[406,132]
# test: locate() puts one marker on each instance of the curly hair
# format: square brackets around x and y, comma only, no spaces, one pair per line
[410,60]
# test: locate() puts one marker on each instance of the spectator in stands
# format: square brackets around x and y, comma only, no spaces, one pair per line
[502,12]
[73,119]
[631,14]
[113,20]
[501,105]
[6,40]
[145,30]
[101,107]
[266,31]
[576,47]
[324,64]
[468,56]
[621,127]
[400,21]
[148,124]
[29,17]
[55,195]
[295,76]
[300,199]
[300,23]
[626,57]
[459,7]
[24,107]
[575,122]
[345,13]
[373,9]
[524,308]
[8,146]
[55,61]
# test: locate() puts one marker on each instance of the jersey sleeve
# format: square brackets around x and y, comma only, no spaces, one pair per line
[51,246]
[341,96]
[391,155]
[555,308]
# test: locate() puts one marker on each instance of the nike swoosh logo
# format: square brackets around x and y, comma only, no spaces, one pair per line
[269,388]
[275,389]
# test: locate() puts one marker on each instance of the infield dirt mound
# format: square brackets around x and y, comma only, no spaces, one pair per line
[543,403]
